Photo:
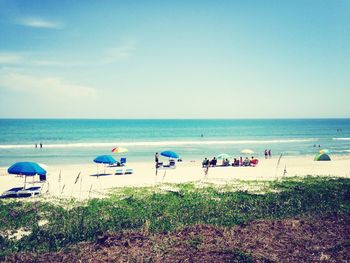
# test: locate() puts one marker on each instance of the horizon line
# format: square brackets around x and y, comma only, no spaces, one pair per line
[86,118]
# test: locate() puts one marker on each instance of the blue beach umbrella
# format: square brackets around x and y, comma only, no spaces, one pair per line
[170,154]
[26,168]
[105,159]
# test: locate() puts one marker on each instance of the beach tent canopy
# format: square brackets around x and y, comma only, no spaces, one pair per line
[26,168]
[105,159]
[170,154]
[223,156]
[322,157]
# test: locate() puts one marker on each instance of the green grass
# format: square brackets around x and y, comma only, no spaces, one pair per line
[157,210]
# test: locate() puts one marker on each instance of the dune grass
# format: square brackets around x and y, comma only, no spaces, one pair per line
[166,208]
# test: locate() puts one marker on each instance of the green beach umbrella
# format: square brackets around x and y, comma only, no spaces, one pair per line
[322,157]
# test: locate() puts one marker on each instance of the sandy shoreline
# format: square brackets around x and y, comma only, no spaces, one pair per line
[144,174]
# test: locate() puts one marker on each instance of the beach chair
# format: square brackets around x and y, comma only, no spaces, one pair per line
[116,164]
[12,192]
[42,178]
[167,167]
[119,172]
[31,191]
[171,163]
[129,171]
[122,161]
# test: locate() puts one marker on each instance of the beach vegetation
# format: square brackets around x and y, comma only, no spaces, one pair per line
[166,208]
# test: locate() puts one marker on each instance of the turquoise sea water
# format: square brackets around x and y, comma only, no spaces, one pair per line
[79,141]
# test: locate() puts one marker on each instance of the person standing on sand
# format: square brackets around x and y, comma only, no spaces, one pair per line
[269,152]
[156,158]
[265,153]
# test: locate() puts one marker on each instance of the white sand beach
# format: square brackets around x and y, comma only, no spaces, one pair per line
[68,184]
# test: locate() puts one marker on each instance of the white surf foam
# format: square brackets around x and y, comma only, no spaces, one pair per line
[157,143]
[341,151]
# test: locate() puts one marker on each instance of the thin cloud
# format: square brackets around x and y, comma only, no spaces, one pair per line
[48,63]
[33,59]
[50,86]
[119,52]
[10,58]
[38,22]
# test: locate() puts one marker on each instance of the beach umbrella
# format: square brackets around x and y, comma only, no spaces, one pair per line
[223,156]
[324,151]
[26,169]
[105,159]
[247,151]
[119,150]
[169,154]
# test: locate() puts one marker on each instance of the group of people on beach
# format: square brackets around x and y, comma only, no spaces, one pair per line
[207,163]
[226,162]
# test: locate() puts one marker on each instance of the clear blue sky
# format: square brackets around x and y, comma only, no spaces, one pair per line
[174,59]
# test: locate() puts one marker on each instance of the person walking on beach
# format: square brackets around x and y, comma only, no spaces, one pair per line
[265,153]
[41,145]
[269,152]
[205,167]
[36,145]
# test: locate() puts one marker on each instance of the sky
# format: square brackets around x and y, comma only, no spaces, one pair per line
[174,59]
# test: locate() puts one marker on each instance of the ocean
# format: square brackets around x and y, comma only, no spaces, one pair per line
[75,141]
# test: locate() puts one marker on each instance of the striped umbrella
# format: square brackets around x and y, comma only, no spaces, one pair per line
[119,150]
[247,151]
[324,151]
